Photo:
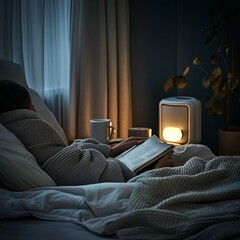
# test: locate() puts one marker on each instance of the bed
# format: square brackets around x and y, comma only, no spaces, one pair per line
[199,198]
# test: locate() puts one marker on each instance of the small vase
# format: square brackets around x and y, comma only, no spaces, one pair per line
[229,141]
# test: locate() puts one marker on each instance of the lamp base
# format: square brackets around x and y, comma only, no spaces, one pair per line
[181,113]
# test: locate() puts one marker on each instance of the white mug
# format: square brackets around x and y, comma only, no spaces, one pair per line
[101,129]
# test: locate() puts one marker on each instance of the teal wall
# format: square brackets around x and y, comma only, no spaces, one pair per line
[165,37]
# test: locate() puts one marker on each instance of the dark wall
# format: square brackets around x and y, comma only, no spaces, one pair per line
[165,37]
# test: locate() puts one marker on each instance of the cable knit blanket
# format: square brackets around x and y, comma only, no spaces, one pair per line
[200,200]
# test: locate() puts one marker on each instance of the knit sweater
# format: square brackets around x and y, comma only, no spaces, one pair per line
[83,162]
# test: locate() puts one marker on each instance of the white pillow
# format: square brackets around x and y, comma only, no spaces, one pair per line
[18,168]
[183,153]
[13,71]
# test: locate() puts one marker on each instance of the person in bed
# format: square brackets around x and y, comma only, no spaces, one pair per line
[85,161]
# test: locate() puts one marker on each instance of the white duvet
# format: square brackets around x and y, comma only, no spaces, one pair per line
[67,203]
[200,200]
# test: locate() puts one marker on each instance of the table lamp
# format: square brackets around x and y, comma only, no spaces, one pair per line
[180,120]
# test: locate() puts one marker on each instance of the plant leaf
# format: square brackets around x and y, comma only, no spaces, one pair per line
[214,59]
[210,102]
[218,110]
[232,81]
[211,36]
[186,71]
[197,61]
[220,94]
[168,84]
[180,82]
[206,81]
[210,105]
[214,106]
[215,81]
[217,73]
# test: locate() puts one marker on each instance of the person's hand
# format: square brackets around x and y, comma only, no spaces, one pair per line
[165,161]
[125,145]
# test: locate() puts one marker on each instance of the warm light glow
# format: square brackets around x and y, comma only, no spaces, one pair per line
[172,134]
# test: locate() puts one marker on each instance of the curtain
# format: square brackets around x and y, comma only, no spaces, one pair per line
[11,31]
[75,54]
[46,51]
[100,85]
[36,34]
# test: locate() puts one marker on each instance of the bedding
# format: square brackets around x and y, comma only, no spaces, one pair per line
[37,229]
[12,71]
[18,168]
[197,199]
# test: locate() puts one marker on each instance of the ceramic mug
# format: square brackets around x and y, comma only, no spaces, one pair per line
[101,129]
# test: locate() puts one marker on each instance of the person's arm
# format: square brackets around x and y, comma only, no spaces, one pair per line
[105,149]
[165,161]
[91,143]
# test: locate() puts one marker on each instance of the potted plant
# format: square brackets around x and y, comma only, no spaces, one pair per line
[223,78]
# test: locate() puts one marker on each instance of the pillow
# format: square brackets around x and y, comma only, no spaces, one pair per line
[13,71]
[18,168]
[44,112]
[182,153]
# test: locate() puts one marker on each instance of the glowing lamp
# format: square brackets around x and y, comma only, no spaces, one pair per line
[172,134]
[180,120]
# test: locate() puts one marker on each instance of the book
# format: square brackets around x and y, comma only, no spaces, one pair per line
[140,156]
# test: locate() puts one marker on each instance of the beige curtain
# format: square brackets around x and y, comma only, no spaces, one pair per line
[100,72]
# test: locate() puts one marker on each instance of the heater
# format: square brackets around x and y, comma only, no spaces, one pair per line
[180,120]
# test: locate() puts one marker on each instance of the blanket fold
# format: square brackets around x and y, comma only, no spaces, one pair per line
[200,200]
